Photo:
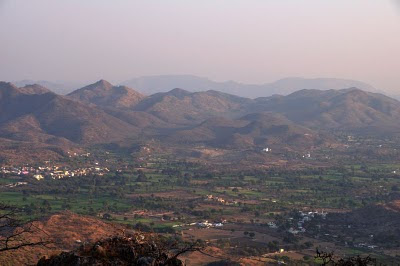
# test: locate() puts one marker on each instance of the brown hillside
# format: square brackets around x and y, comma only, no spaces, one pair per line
[182,107]
[36,123]
[31,117]
[254,130]
[65,231]
[349,109]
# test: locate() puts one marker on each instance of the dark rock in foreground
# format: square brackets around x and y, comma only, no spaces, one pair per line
[139,249]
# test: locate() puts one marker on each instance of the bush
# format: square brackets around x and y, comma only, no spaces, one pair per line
[223,263]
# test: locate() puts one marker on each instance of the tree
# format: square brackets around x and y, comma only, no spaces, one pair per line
[142,177]
[328,258]
[15,234]
[107,216]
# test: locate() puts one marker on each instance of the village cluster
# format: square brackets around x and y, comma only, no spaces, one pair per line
[305,217]
[221,200]
[54,172]
[299,227]
[203,224]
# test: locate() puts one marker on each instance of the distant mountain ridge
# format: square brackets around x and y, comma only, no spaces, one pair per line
[61,87]
[153,84]
[149,85]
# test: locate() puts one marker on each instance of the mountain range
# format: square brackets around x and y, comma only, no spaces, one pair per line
[163,83]
[149,85]
[33,116]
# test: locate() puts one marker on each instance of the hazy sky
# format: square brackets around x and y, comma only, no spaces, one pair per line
[251,41]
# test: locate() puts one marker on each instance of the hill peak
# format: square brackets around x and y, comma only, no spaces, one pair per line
[34,89]
[177,92]
[102,83]
[7,85]
[104,94]
[354,90]
[8,89]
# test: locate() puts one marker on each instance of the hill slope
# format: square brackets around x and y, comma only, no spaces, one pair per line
[27,114]
[183,107]
[77,229]
[349,109]
[253,130]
